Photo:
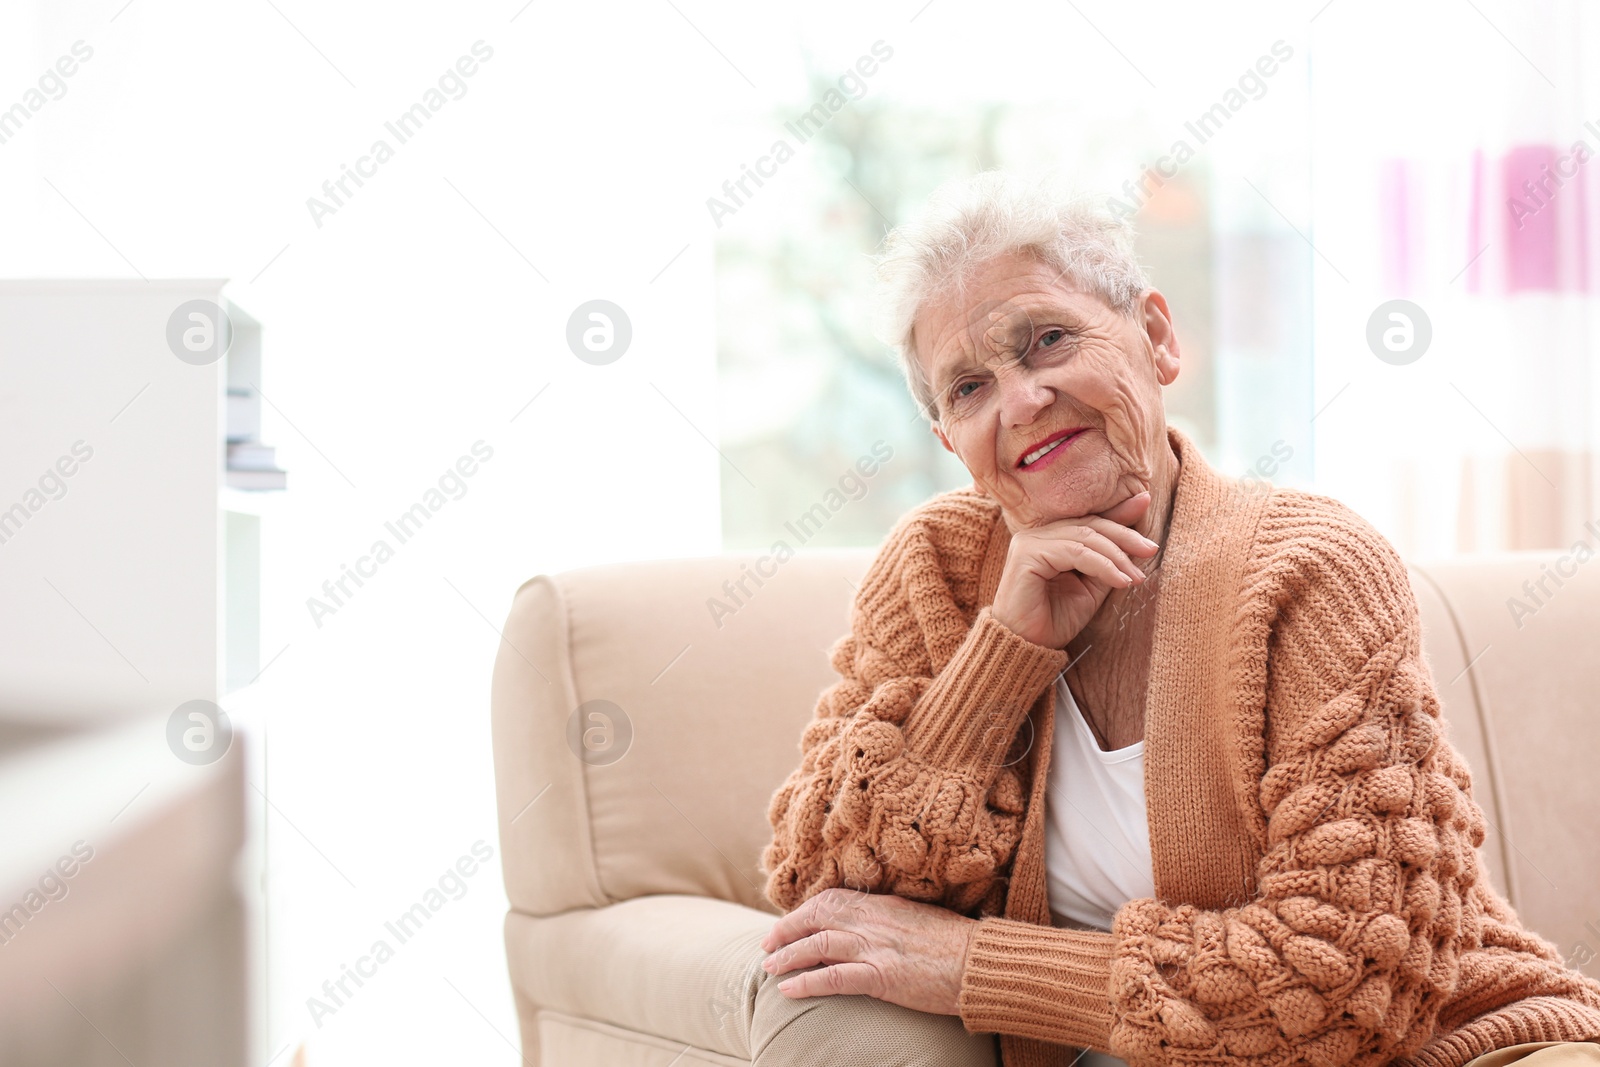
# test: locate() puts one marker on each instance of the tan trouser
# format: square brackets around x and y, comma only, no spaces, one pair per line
[859,1032]
[827,1032]
[1542,1054]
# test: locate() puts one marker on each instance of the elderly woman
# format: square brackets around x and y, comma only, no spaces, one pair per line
[1126,756]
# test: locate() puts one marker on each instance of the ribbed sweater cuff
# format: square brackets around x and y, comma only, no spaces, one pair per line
[1039,981]
[969,715]
[1531,1019]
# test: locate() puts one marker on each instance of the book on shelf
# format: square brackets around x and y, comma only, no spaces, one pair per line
[258,479]
[243,415]
[251,456]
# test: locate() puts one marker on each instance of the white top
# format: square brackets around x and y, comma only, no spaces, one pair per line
[1097,837]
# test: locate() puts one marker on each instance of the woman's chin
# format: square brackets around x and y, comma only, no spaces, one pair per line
[1067,491]
[1070,494]
[1041,511]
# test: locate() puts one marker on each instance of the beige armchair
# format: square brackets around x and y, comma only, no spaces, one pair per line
[631,830]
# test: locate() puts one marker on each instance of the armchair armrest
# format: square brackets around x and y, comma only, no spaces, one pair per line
[679,967]
[688,969]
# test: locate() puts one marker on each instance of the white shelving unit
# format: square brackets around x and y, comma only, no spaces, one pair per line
[132,583]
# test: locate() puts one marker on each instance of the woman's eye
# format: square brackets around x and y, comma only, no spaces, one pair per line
[1051,337]
[961,389]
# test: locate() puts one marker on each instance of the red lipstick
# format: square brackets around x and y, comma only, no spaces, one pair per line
[1063,436]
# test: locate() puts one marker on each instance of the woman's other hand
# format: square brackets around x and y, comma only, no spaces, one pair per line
[1057,575]
[883,946]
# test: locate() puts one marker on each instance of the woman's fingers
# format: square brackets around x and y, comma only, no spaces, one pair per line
[824,946]
[1126,537]
[1114,542]
[1117,523]
[1074,555]
[819,913]
[882,946]
[808,941]
[1088,553]
[842,978]
[1118,544]
[1130,510]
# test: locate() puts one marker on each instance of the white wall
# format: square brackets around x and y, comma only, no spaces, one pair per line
[398,334]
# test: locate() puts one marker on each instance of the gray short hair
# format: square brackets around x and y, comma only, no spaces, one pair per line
[969,221]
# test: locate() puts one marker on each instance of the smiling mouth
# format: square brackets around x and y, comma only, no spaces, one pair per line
[1046,447]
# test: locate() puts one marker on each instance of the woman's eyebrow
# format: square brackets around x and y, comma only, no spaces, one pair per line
[950,373]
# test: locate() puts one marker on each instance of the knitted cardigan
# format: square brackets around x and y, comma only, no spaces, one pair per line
[1319,894]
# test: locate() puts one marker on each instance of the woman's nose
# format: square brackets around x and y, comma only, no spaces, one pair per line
[1023,396]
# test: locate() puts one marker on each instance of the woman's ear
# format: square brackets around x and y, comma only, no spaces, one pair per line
[938,431]
[1163,339]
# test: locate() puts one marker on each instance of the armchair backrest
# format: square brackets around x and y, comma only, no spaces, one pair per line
[1528,711]
[664,788]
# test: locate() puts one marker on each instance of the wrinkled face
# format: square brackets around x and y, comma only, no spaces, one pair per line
[1050,397]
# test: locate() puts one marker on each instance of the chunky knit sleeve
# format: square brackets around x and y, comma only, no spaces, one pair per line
[907,782]
[1361,904]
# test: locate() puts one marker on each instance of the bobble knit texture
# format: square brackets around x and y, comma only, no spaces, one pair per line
[1313,832]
